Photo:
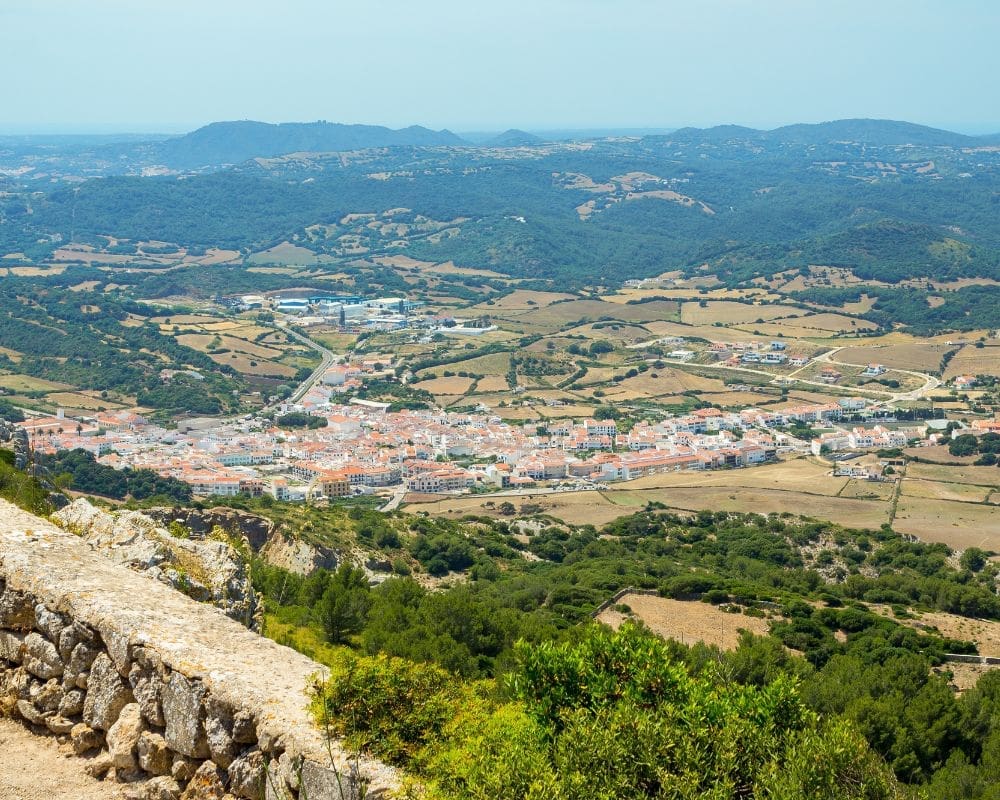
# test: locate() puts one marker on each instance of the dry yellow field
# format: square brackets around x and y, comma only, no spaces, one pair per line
[958,525]
[844,511]
[202,342]
[918,356]
[25,383]
[454,385]
[959,473]
[687,622]
[523,300]
[492,383]
[729,312]
[935,490]
[740,399]
[709,332]
[972,360]
[184,319]
[242,363]
[576,508]
[80,401]
[666,382]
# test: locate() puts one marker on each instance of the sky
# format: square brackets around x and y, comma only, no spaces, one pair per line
[469,65]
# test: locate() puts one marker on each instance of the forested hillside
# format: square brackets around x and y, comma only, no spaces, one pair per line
[889,201]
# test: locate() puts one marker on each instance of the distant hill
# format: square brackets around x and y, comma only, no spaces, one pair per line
[513,138]
[235,142]
[864,131]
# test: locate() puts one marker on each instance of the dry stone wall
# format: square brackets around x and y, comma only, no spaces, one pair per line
[155,690]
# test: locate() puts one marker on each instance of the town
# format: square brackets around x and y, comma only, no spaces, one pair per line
[359,447]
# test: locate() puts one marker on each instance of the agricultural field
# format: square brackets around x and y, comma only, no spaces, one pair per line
[957,524]
[732,313]
[972,360]
[685,621]
[919,356]
[257,352]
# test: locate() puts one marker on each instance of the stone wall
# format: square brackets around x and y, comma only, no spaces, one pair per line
[156,691]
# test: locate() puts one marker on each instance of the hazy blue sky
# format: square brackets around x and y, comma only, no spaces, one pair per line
[170,65]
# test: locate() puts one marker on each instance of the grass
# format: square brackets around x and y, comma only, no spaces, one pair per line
[958,525]
[686,621]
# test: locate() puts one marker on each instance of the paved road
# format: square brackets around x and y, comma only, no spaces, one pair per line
[397,497]
[329,358]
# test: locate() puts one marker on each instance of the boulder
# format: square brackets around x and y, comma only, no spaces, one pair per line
[41,658]
[11,647]
[183,768]
[123,737]
[16,611]
[154,755]
[49,622]
[48,696]
[182,712]
[71,704]
[247,776]
[98,766]
[161,788]
[84,738]
[107,694]
[208,783]
[219,732]
[59,725]
[31,714]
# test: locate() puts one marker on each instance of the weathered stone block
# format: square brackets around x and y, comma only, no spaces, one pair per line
[147,687]
[48,622]
[208,783]
[117,643]
[28,711]
[244,728]
[107,694]
[84,738]
[11,647]
[98,766]
[161,788]
[183,712]
[319,780]
[17,612]
[71,704]
[246,776]
[48,696]
[71,635]
[82,658]
[154,755]
[123,737]
[59,725]
[219,732]
[41,657]
[183,768]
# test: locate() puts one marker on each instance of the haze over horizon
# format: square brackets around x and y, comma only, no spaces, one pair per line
[170,67]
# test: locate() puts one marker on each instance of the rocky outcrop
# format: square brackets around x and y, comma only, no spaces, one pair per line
[276,546]
[297,555]
[159,692]
[18,439]
[209,570]
[257,530]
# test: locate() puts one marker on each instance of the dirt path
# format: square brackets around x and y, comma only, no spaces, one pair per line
[33,768]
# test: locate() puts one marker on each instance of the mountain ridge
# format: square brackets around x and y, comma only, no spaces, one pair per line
[233,142]
[863,130]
